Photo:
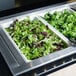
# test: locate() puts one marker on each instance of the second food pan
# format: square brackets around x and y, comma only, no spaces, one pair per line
[63,20]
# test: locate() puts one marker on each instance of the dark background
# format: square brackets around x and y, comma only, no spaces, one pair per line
[4,70]
[23,5]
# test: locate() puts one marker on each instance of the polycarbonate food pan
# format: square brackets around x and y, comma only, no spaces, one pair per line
[36,40]
[63,21]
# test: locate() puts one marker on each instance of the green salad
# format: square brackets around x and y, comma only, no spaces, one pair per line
[64,21]
[34,39]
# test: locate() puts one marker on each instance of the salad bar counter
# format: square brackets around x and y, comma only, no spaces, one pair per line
[39,41]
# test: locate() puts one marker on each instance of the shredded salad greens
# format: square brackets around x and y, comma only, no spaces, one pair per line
[34,39]
[64,21]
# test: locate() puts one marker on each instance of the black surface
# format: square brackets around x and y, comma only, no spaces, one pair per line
[4,70]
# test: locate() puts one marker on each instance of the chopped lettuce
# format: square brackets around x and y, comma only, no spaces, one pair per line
[34,39]
[64,21]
